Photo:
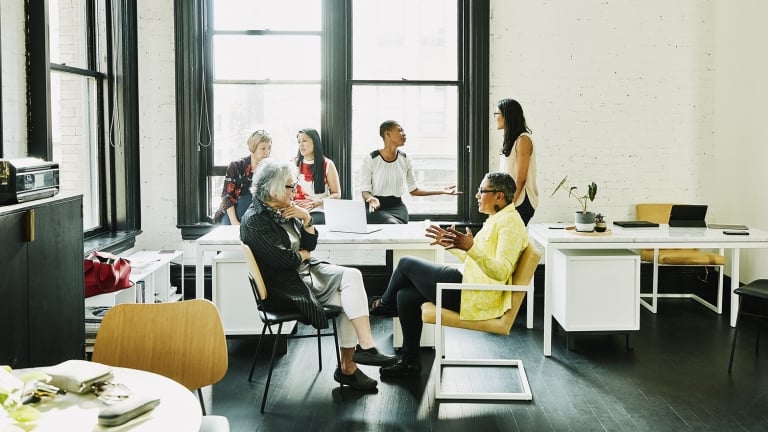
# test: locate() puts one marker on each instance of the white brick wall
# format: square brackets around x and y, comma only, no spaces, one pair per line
[616,92]
[14,79]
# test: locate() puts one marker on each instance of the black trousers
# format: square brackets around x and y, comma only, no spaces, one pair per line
[414,282]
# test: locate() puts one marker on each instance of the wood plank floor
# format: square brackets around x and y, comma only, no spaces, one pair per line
[674,379]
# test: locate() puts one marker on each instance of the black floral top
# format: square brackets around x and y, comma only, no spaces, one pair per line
[238,178]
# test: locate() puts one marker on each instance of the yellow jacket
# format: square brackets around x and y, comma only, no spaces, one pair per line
[491,260]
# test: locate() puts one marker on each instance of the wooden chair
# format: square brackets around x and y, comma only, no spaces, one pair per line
[183,341]
[521,284]
[273,318]
[659,213]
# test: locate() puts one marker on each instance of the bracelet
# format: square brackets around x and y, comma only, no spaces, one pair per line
[309,224]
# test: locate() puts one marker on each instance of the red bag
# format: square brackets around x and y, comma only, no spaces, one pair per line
[105,273]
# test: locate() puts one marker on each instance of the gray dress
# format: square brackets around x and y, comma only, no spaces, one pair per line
[321,277]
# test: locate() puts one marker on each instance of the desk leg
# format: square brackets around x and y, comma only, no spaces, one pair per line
[734,284]
[199,281]
[548,268]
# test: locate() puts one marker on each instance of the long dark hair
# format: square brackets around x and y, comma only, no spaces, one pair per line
[318,168]
[514,123]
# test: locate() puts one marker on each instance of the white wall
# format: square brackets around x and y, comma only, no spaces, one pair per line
[738,180]
[14,79]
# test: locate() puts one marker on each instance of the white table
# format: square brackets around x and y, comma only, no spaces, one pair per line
[179,409]
[639,238]
[402,239]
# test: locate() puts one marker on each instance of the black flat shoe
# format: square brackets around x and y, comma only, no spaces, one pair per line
[372,357]
[378,308]
[358,380]
[402,369]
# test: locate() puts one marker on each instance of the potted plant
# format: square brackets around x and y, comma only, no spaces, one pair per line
[585,220]
[600,225]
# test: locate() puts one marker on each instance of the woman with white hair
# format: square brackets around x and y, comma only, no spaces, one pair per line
[281,236]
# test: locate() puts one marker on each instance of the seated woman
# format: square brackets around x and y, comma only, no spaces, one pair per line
[384,175]
[236,194]
[310,193]
[489,258]
[282,236]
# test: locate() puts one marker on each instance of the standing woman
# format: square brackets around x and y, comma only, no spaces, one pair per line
[316,181]
[386,174]
[518,156]
[236,194]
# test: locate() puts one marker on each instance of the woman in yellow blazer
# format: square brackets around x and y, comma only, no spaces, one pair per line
[489,258]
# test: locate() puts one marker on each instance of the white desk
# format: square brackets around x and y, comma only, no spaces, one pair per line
[179,409]
[639,238]
[401,239]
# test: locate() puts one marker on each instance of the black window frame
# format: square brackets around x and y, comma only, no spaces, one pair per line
[120,204]
[194,162]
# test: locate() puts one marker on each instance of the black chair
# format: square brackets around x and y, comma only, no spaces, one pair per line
[270,319]
[757,289]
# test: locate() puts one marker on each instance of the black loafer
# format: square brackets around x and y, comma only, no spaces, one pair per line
[402,369]
[378,308]
[358,380]
[372,357]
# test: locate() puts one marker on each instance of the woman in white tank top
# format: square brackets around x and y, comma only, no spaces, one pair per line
[518,156]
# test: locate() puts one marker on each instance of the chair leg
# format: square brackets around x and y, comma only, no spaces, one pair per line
[271,366]
[258,347]
[202,402]
[319,351]
[735,334]
[336,341]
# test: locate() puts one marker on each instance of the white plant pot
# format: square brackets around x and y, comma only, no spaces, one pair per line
[585,222]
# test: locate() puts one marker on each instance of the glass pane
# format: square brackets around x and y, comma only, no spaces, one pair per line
[429,116]
[67,24]
[293,15]
[281,110]
[266,57]
[404,39]
[75,139]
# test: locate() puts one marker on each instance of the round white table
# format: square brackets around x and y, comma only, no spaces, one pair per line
[179,409]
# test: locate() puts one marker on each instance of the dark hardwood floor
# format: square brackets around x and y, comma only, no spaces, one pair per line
[674,379]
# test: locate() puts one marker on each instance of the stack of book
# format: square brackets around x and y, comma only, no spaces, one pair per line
[93,317]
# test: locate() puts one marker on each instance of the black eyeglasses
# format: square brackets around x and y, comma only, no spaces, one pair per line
[482,191]
[497,113]
[293,186]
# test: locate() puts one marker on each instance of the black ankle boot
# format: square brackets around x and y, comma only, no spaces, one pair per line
[404,368]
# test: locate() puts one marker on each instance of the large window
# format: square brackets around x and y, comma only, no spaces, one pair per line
[342,67]
[82,109]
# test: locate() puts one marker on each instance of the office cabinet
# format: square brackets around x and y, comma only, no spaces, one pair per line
[596,290]
[41,287]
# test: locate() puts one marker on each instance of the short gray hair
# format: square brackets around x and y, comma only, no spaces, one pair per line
[270,178]
[503,183]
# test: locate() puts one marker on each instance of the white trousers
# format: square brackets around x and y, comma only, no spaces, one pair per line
[353,300]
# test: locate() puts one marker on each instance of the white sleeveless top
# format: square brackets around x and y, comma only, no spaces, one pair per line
[531,190]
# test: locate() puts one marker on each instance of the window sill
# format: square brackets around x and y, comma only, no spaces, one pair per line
[112,242]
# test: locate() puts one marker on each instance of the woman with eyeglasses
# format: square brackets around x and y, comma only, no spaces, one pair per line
[489,257]
[518,156]
[282,236]
[386,174]
[236,194]
[318,178]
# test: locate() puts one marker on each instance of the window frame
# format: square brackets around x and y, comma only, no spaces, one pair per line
[119,201]
[194,166]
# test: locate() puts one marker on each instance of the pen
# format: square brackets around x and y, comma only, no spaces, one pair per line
[556,227]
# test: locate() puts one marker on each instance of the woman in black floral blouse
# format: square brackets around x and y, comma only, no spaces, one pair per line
[236,194]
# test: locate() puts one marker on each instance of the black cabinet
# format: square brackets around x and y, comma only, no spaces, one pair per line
[41,282]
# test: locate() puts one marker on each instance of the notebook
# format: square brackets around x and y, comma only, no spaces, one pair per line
[688,216]
[727,226]
[346,216]
[636,224]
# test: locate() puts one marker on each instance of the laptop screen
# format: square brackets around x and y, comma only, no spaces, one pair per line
[346,216]
[688,216]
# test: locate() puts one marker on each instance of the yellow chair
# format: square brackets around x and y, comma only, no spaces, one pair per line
[659,213]
[522,283]
[183,341]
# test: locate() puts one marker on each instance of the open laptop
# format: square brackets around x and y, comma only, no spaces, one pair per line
[688,216]
[346,216]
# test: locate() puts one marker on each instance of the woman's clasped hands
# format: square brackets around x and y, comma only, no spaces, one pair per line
[295,211]
[450,238]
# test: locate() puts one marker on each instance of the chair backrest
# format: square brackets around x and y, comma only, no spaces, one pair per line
[656,213]
[257,281]
[526,266]
[182,340]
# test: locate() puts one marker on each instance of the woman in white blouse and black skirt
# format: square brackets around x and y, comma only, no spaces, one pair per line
[386,174]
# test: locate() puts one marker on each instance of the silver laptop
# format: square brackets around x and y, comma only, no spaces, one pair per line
[346,216]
